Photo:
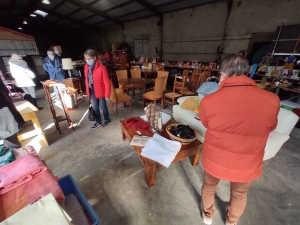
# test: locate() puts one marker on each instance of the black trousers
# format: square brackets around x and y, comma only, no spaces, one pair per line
[30,95]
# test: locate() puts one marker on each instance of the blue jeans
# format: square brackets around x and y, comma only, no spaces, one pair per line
[95,103]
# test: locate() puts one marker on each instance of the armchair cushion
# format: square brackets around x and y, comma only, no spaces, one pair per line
[286,121]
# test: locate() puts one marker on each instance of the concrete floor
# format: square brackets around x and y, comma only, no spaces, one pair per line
[112,177]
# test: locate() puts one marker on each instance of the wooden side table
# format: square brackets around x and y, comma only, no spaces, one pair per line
[27,111]
[192,149]
[56,119]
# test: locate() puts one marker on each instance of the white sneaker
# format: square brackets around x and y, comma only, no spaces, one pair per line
[205,220]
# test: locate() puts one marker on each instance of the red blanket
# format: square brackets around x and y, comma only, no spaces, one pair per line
[18,198]
[20,172]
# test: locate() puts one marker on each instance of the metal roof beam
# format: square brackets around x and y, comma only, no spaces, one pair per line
[67,18]
[151,8]
[118,6]
[95,11]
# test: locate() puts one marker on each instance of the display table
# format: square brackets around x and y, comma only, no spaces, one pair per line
[192,149]
[27,111]
[134,83]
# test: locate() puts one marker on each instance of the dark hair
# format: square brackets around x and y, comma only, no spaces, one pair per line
[235,65]
[90,52]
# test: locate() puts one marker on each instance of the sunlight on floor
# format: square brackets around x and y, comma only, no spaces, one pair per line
[93,201]
[35,142]
[49,126]
[77,124]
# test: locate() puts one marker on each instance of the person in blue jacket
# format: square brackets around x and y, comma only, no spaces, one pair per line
[52,64]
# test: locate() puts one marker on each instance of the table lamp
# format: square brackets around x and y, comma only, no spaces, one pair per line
[67,65]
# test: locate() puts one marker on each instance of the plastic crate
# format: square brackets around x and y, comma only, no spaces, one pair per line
[69,186]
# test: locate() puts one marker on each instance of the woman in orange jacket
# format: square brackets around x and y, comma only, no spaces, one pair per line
[238,118]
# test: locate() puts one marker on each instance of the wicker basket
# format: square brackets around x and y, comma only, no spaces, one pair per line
[181,140]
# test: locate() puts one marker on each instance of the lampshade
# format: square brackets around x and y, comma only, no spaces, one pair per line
[67,64]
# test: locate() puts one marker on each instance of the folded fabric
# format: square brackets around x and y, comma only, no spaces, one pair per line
[164,117]
[161,150]
[27,150]
[130,121]
[39,186]
[19,172]
[141,125]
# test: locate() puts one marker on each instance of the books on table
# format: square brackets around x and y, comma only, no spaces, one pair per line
[139,140]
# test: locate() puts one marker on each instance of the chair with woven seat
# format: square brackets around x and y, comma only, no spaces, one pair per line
[121,74]
[158,92]
[178,88]
[116,98]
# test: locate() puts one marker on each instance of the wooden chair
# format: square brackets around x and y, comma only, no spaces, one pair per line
[203,77]
[161,74]
[158,92]
[121,74]
[193,83]
[178,88]
[161,68]
[116,98]
[134,67]
[136,73]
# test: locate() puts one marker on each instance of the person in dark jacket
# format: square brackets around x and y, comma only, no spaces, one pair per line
[10,119]
[57,52]
[52,64]
[97,86]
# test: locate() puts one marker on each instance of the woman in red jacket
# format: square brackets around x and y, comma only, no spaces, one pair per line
[97,86]
[238,118]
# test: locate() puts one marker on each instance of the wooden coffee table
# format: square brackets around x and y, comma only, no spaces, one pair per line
[192,149]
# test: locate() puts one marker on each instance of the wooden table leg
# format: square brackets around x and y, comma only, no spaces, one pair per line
[197,156]
[122,133]
[150,174]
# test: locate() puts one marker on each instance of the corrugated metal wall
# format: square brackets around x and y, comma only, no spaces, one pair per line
[8,47]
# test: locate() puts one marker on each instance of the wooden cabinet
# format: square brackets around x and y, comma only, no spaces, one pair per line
[75,83]
[122,58]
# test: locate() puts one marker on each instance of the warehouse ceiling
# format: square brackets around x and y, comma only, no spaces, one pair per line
[84,14]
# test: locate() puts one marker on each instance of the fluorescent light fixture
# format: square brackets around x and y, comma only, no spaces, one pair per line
[41,13]
[32,14]
[24,22]
[47,2]
[20,28]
